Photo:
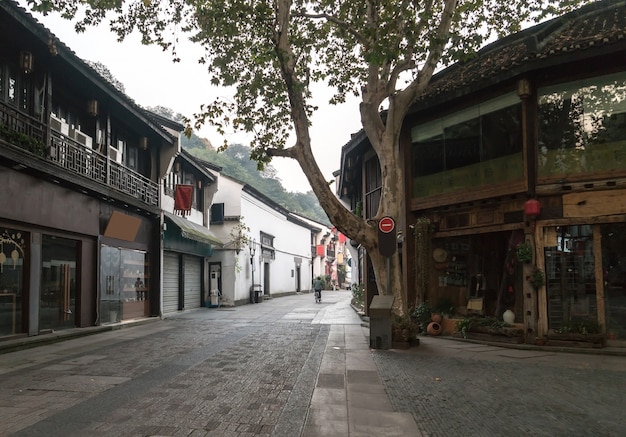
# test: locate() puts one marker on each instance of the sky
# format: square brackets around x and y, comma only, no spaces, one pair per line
[152,79]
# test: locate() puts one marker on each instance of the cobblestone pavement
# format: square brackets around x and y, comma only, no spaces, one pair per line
[454,388]
[253,370]
[223,372]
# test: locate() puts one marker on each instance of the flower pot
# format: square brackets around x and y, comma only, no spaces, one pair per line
[433,328]
[436,317]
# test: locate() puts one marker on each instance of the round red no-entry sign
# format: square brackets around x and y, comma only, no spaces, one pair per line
[386,225]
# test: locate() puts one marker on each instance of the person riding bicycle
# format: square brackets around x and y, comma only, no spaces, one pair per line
[318,284]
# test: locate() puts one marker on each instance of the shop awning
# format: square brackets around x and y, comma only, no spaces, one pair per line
[192,231]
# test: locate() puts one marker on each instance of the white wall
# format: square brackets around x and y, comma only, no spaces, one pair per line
[227,191]
[291,242]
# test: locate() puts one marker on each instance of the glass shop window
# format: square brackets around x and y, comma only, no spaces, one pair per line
[479,146]
[570,275]
[582,127]
[13,252]
[57,306]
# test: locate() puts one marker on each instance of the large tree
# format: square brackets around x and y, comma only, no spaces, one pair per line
[271,52]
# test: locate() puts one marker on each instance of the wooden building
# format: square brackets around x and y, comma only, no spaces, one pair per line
[80,165]
[520,151]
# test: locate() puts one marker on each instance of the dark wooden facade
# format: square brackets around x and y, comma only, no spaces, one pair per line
[539,115]
[80,166]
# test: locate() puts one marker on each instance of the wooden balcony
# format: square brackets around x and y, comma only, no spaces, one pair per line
[27,133]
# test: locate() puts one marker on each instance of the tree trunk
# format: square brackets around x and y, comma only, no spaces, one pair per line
[388,274]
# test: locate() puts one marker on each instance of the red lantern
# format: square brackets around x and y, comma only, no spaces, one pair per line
[532,208]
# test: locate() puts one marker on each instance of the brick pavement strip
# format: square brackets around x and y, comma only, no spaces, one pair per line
[195,379]
[454,395]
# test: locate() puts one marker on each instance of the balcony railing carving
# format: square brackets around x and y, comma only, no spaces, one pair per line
[67,153]
[28,133]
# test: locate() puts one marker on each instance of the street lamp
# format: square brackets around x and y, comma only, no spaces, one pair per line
[252,246]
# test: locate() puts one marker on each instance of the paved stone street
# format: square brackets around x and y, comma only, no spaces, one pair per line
[455,388]
[290,367]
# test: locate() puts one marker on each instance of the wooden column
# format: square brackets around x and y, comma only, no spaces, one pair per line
[541,294]
[530,294]
[597,255]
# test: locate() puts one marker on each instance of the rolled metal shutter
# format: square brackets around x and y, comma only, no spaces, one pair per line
[171,281]
[193,281]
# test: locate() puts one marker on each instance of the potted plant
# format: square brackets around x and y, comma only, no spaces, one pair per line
[464,325]
[580,331]
[403,330]
[421,315]
[537,278]
[524,252]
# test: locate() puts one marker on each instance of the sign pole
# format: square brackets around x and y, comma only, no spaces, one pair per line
[388,273]
[387,243]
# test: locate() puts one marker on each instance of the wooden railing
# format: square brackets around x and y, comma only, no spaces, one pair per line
[69,154]
[28,133]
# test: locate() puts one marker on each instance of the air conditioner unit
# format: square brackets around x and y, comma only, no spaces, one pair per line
[82,138]
[100,137]
[59,125]
[115,155]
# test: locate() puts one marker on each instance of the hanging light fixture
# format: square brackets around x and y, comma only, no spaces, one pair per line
[92,107]
[52,47]
[26,62]
[532,208]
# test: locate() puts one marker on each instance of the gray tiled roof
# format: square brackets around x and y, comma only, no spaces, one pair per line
[597,25]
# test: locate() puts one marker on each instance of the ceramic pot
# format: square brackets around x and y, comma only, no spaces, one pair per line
[508,317]
[436,317]
[433,328]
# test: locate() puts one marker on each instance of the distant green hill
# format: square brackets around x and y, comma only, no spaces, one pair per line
[235,162]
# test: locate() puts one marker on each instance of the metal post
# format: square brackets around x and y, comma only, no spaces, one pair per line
[252,252]
[388,275]
[252,268]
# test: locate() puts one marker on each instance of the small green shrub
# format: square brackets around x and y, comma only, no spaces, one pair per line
[524,252]
[358,295]
[404,328]
[537,278]
[464,325]
[584,327]
[421,315]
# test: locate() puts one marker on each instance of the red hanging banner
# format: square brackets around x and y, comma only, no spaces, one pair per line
[183,198]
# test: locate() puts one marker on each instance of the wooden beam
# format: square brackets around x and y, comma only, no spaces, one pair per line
[594,204]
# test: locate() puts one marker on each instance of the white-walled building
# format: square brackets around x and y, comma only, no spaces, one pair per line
[264,244]
[329,254]
[318,246]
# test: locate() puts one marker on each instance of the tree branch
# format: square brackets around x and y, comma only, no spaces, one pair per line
[442,36]
[347,222]
[340,23]
[284,153]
